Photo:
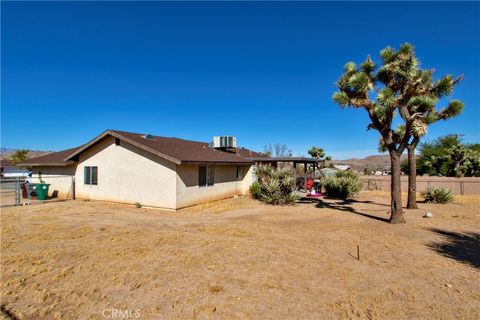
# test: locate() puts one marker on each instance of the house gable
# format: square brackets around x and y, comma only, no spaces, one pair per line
[127,174]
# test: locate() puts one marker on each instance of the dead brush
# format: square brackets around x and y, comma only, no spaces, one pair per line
[215,289]
[215,206]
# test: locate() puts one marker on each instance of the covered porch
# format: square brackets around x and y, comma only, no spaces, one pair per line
[306,178]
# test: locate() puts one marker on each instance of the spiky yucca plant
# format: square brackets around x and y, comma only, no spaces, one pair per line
[440,195]
[274,186]
[343,185]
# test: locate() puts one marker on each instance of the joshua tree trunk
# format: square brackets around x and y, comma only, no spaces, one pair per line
[396,190]
[412,178]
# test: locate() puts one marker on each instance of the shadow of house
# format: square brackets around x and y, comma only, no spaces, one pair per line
[343,205]
[463,247]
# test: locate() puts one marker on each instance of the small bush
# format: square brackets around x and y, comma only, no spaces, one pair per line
[343,184]
[255,190]
[137,205]
[274,186]
[438,195]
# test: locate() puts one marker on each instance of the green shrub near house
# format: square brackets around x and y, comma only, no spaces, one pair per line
[274,186]
[343,185]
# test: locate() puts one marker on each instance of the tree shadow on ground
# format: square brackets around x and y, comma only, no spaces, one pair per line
[7,314]
[463,247]
[344,201]
[351,201]
[343,205]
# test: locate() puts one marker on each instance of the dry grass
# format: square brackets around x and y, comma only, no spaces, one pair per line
[467,199]
[218,206]
[239,259]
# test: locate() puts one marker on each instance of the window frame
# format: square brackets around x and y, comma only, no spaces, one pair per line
[239,173]
[206,176]
[92,173]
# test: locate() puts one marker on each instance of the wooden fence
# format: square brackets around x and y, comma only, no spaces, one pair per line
[460,186]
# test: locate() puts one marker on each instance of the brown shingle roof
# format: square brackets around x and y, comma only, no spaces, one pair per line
[51,159]
[187,150]
[5,163]
[173,149]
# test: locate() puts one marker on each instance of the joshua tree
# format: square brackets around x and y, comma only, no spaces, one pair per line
[453,109]
[397,85]
[316,153]
[422,107]
[400,85]
[319,153]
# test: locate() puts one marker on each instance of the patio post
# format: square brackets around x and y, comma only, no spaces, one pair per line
[305,175]
[313,173]
[295,170]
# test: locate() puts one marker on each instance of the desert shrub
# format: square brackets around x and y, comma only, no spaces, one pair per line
[255,190]
[343,184]
[137,205]
[275,186]
[438,195]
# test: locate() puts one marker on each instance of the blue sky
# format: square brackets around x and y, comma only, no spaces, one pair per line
[263,72]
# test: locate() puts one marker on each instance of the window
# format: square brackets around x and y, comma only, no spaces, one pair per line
[91,175]
[117,141]
[206,176]
[210,176]
[239,172]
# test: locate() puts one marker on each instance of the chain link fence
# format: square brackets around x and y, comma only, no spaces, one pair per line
[16,191]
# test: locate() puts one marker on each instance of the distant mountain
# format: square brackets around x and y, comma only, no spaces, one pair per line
[6,153]
[7,150]
[372,163]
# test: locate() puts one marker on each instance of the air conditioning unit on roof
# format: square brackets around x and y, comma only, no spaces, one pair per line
[220,142]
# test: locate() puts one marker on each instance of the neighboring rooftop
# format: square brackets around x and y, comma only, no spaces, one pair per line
[5,163]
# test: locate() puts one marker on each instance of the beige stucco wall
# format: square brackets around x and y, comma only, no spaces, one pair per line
[59,178]
[226,184]
[127,174]
[247,179]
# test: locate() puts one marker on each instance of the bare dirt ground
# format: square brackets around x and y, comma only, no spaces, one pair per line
[240,259]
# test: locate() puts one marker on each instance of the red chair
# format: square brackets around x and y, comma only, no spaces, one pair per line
[309,183]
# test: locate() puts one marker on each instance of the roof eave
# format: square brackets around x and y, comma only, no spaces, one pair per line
[231,163]
[47,164]
[286,159]
[119,136]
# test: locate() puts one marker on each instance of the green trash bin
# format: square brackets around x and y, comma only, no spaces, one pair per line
[42,191]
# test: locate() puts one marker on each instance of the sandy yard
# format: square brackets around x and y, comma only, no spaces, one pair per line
[240,259]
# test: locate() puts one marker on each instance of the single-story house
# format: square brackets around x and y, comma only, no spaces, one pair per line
[154,171]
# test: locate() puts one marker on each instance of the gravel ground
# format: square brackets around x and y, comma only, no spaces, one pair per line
[241,259]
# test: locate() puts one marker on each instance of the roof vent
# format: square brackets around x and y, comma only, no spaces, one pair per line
[221,142]
[147,136]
